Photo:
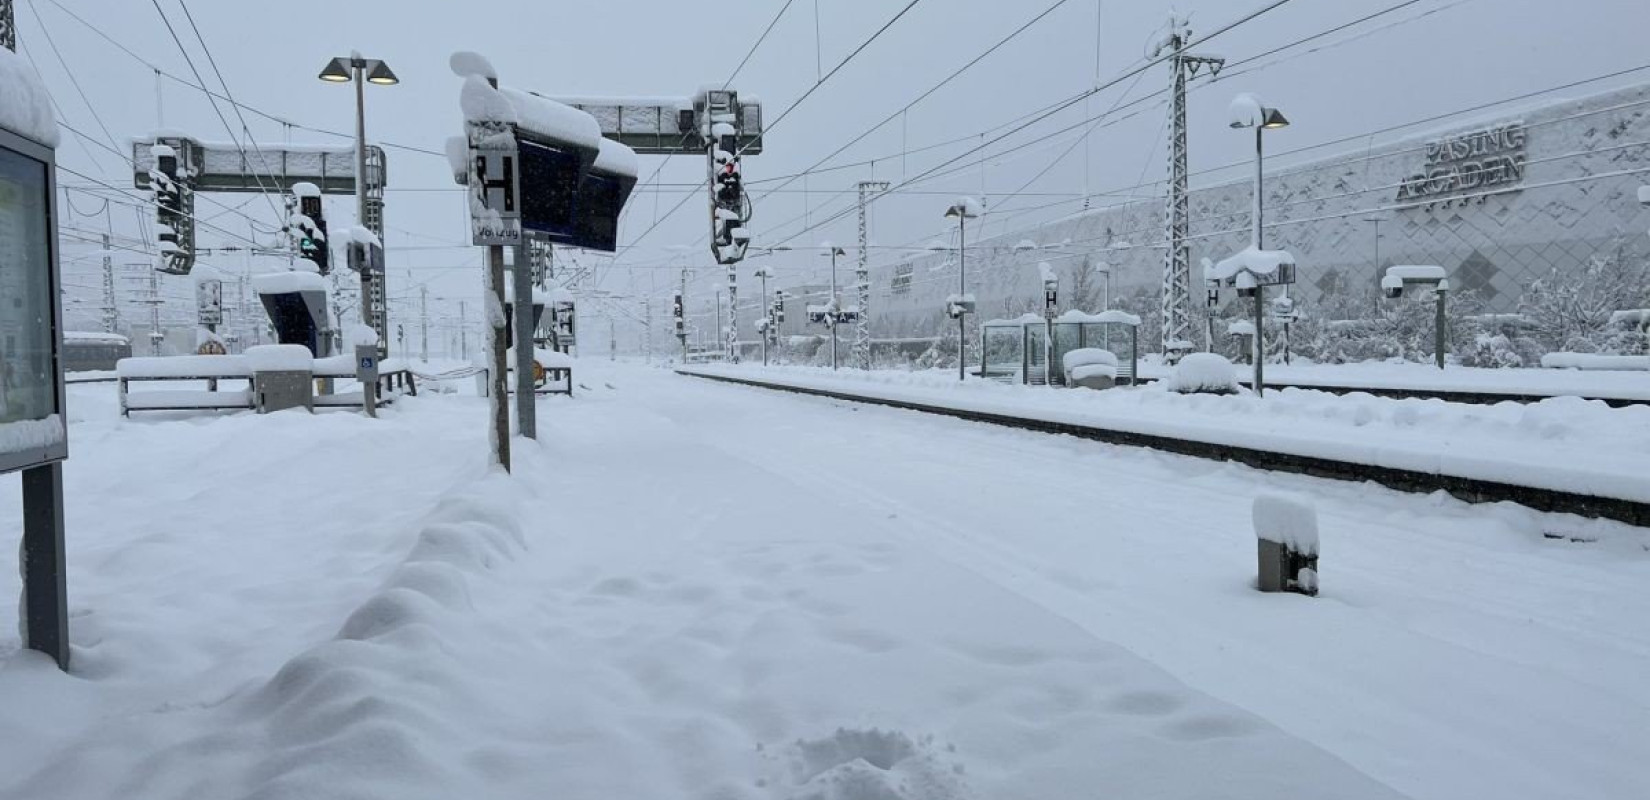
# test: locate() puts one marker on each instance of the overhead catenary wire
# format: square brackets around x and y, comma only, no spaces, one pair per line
[770,126]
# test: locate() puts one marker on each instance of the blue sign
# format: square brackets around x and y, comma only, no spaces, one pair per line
[366,363]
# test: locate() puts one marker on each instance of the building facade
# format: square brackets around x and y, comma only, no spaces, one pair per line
[1498,201]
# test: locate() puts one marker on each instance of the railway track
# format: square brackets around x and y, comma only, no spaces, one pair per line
[1468,489]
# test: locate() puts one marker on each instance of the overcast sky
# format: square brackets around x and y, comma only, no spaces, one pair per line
[1429,58]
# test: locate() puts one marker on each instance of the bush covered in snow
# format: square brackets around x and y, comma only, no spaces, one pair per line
[1203,373]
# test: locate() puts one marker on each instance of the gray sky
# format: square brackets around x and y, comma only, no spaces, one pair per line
[1398,68]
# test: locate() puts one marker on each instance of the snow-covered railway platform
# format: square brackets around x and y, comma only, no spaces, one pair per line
[700,591]
[1563,454]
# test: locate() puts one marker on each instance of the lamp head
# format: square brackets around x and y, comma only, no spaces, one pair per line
[1274,119]
[336,71]
[379,73]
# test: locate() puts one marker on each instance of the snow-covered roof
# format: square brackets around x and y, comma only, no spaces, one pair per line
[678,102]
[1241,327]
[1644,195]
[94,336]
[1259,263]
[303,189]
[1415,272]
[559,121]
[287,282]
[1111,315]
[1021,321]
[617,159]
[25,106]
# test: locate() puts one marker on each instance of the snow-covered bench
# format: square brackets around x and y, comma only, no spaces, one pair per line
[1090,368]
[211,370]
[200,369]
[1594,361]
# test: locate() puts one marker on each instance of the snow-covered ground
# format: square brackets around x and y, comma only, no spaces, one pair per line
[1562,443]
[695,590]
[1623,384]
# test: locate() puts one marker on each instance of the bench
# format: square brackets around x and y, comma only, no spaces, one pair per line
[212,370]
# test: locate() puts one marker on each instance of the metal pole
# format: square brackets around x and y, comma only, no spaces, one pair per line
[498,342]
[526,408]
[767,330]
[463,334]
[834,311]
[962,292]
[1258,351]
[733,313]
[424,323]
[717,320]
[647,330]
[1438,327]
[1259,345]
[45,590]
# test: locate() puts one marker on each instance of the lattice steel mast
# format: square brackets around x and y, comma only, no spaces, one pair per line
[862,279]
[1177,257]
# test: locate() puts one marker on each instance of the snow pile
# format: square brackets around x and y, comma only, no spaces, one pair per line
[305,189]
[1288,520]
[25,105]
[1112,316]
[1202,373]
[183,367]
[616,159]
[971,206]
[358,334]
[288,282]
[1594,361]
[466,63]
[558,121]
[1416,272]
[1241,327]
[31,434]
[861,764]
[1246,111]
[458,158]
[1250,262]
[95,336]
[279,358]
[1087,362]
[481,103]
[360,234]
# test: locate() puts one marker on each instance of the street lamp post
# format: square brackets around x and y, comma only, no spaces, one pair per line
[962,211]
[362,71]
[1249,112]
[767,316]
[834,310]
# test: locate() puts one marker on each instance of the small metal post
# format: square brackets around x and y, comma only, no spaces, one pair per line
[962,295]
[1438,328]
[1258,348]
[526,408]
[45,590]
[834,309]
[498,342]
